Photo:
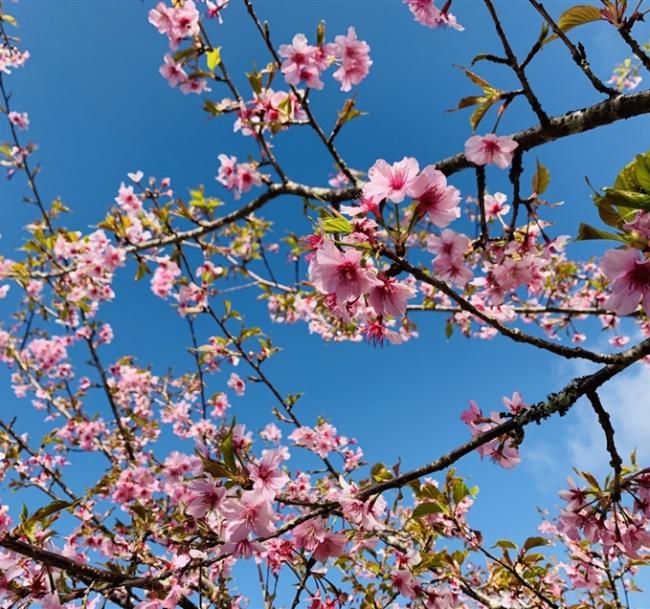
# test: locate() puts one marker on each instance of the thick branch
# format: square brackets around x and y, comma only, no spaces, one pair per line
[606,423]
[610,111]
[514,64]
[635,46]
[274,190]
[513,333]
[559,402]
[82,571]
[578,55]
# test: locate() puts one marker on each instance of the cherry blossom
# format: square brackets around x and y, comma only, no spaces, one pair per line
[354,59]
[490,149]
[333,271]
[630,279]
[20,119]
[427,13]
[435,198]
[393,182]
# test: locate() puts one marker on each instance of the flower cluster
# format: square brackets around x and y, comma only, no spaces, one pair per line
[238,177]
[304,62]
[177,23]
[427,13]
[503,449]
[182,22]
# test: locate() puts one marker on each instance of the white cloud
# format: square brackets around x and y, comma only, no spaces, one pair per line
[627,399]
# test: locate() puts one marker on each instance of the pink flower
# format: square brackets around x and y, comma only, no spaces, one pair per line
[501,450]
[163,278]
[214,9]
[619,340]
[331,546]
[239,177]
[51,601]
[490,148]
[366,514]
[630,279]
[495,206]
[5,519]
[271,433]
[127,199]
[236,384]
[392,182]
[247,177]
[172,71]
[220,405]
[176,23]
[227,171]
[335,272]
[300,62]
[404,581]
[20,119]
[427,13]
[161,18]
[354,58]
[194,85]
[251,513]
[451,248]
[267,475]
[473,415]
[640,223]
[375,332]
[435,198]
[204,496]
[310,534]
[389,296]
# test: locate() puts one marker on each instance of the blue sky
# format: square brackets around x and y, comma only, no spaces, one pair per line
[99,109]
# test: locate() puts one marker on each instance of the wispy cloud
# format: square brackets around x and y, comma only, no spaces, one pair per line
[627,399]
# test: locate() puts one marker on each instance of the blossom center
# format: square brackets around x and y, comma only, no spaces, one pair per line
[640,277]
[347,272]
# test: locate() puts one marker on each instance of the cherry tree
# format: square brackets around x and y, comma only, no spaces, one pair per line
[159,528]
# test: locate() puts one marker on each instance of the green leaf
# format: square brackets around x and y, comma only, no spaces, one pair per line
[460,490]
[535,542]
[248,333]
[320,33]
[470,100]
[211,107]
[213,58]
[52,508]
[184,54]
[255,80]
[336,225]
[228,451]
[589,233]
[141,271]
[9,19]
[479,113]
[505,544]
[642,172]
[348,112]
[218,470]
[626,178]
[575,16]
[481,82]
[424,509]
[591,479]
[380,473]
[449,329]
[608,213]
[629,198]
[541,179]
